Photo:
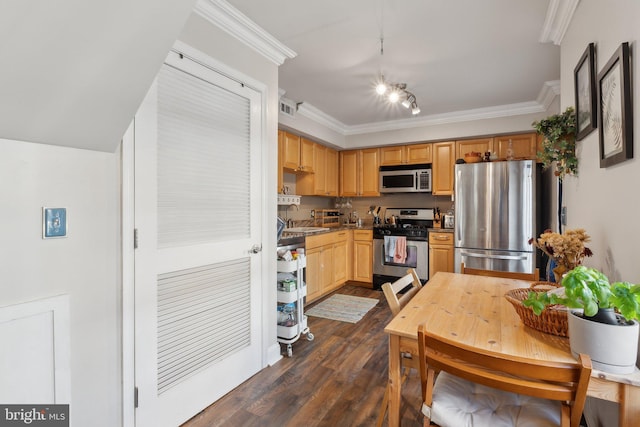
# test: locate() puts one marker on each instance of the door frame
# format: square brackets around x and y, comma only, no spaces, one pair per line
[270,346]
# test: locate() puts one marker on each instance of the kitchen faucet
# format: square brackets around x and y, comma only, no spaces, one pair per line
[289,220]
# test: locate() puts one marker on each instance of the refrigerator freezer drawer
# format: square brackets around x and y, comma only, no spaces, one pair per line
[519,262]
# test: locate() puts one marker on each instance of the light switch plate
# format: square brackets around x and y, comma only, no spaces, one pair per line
[54,223]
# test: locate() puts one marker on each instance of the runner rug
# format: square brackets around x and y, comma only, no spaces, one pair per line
[345,308]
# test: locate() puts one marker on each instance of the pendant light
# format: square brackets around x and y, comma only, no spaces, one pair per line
[394,92]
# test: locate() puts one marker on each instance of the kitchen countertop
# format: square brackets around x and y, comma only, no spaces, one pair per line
[289,238]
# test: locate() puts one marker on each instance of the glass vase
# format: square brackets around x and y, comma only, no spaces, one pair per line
[551,264]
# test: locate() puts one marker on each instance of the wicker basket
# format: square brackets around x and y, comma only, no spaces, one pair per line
[552,320]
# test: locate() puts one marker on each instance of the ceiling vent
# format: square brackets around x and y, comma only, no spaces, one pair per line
[287,107]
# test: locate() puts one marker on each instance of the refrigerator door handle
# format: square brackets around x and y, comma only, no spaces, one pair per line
[509,257]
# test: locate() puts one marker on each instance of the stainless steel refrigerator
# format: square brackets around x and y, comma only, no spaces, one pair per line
[497,210]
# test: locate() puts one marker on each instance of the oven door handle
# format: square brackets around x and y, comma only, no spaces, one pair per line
[508,257]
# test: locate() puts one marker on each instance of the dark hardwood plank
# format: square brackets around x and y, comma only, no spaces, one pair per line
[336,380]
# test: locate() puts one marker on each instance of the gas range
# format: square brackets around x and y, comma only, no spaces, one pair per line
[400,230]
[412,223]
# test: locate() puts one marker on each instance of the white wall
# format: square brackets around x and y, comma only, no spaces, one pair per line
[604,201]
[85,265]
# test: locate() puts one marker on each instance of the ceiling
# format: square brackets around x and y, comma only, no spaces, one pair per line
[74,72]
[456,56]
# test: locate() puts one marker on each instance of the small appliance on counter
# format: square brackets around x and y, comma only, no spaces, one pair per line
[329,218]
[448,220]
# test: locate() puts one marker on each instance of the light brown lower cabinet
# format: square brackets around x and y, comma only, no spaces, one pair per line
[327,258]
[363,256]
[312,273]
[440,252]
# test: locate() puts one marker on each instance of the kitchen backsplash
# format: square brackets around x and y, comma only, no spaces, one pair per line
[301,215]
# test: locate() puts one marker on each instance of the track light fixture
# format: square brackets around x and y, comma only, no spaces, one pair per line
[397,92]
[411,99]
[394,92]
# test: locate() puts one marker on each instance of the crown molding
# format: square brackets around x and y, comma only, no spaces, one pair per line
[235,23]
[547,94]
[559,15]
[448,118]
[312,113]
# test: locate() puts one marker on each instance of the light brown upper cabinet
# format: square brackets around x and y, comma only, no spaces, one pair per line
[324,180]
[290,151]
[349,171]
[394,155]
[442,168]
[331,172]
[405,154]
[419,153]
[280,166]
[307,155]
[370,172]
[297,153]
[524,146]
[478,145]
[359,173]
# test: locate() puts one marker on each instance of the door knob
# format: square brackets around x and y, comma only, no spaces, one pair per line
[256,249]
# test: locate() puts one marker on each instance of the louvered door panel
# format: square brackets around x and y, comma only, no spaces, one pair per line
[203,316]
[203,171]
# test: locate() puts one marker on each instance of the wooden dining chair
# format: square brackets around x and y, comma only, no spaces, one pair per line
[534,277]
[392,291]
[397,300]
[491,387]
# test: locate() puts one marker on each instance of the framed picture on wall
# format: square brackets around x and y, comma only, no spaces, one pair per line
[615,115]
[584,78]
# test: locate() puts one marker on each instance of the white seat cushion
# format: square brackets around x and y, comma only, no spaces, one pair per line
[461,403]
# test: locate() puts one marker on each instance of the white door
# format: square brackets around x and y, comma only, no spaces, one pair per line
[197,216]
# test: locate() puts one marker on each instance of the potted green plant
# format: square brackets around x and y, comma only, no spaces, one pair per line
[606,327]
[559,144]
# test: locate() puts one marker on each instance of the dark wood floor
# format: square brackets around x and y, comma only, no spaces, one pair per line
[336,380]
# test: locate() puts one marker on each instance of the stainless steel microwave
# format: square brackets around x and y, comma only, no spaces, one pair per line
[405,179]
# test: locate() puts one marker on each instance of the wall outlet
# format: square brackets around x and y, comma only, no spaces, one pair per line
[313,213]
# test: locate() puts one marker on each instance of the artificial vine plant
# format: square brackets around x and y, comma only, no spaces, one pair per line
[559,144]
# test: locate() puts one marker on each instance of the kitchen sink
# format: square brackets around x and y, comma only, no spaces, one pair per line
[305,229]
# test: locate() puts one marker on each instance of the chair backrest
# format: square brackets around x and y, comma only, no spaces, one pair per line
[535,276]
[391,290]
[565,382]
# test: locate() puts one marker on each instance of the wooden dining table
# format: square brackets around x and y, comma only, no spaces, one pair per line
[472,309]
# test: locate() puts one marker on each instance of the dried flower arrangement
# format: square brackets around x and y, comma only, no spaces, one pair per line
[567,249]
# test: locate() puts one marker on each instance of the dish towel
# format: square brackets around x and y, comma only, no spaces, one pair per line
[401,250]
[389,248]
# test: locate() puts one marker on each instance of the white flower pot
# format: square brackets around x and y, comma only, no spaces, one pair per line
[612,348]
